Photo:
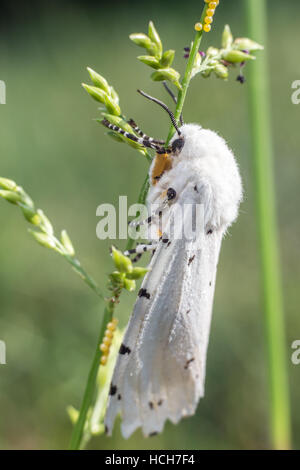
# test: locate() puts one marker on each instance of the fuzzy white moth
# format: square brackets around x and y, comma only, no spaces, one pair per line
[160,369]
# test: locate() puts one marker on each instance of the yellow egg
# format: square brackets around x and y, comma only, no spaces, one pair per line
[104,348]
[198,27]
[111,326]
[207,28]
[210,12]
[208,20]
[108,333]
[107,341]
[103,360]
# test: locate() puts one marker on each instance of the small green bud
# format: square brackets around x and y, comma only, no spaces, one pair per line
[7,184]
[45,224]
[30,214]
[99,81]
[154,36]
[137,273]
[221,71]
[129,285]
[44,240]
[167,58]
[114,95]
[10,196]
[122,262]
[235,56]
[73,414]
[116,277]
[141,40]
[66,241]
[149,60]
[117,121]
[95,92]
[212,51]
[112,106]
[115,136]
[206,73]
[247,44]
[227,37]
[166,74]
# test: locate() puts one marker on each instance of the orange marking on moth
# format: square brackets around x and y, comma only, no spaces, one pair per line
[162,163]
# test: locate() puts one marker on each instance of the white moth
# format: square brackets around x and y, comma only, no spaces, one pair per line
[160,370]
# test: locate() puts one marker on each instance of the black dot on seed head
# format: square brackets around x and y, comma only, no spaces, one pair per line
[112,390]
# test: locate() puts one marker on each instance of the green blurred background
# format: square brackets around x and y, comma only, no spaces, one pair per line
[50,144]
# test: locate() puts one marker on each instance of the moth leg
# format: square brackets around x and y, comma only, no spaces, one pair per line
[139,250]
[139,140]
[134,126]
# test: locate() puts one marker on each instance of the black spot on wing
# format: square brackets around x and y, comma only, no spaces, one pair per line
[210,283]
[124,349]
[160,402]
[151,406]
[191,259]
[209,232]
[189,362]
[144,293]
[113,389]
[119,397]
[188,311]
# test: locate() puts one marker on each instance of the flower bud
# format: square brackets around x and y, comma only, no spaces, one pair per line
[111,106]
[247,44]
[45,222]
[141,40]
[114,95]
[30,214]
[154,36]
[66,241]
[122,262]
[227,37]
[137,273]
[221,71]
[44,240]
[95,92]
[149,60]
[235,56]
[7,184]
[99,81]
[167,58]
[212,51]
[167,74]
[10,196]
[206,73]
[114,136]
[129,285]
[116,277]
[117,121]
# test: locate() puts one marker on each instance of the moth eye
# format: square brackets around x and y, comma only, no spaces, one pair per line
[177,146]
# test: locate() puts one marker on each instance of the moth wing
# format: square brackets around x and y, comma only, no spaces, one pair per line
[160,371]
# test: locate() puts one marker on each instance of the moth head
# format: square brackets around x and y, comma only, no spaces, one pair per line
[177,145]
[185,145]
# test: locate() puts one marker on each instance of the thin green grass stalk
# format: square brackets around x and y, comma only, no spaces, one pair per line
[187,75]
[267,229]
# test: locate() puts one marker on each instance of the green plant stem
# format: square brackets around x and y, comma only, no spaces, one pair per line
[91,382]
[267,227]
[187,75]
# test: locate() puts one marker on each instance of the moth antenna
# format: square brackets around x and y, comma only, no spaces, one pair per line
[164,106]
[174,99]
